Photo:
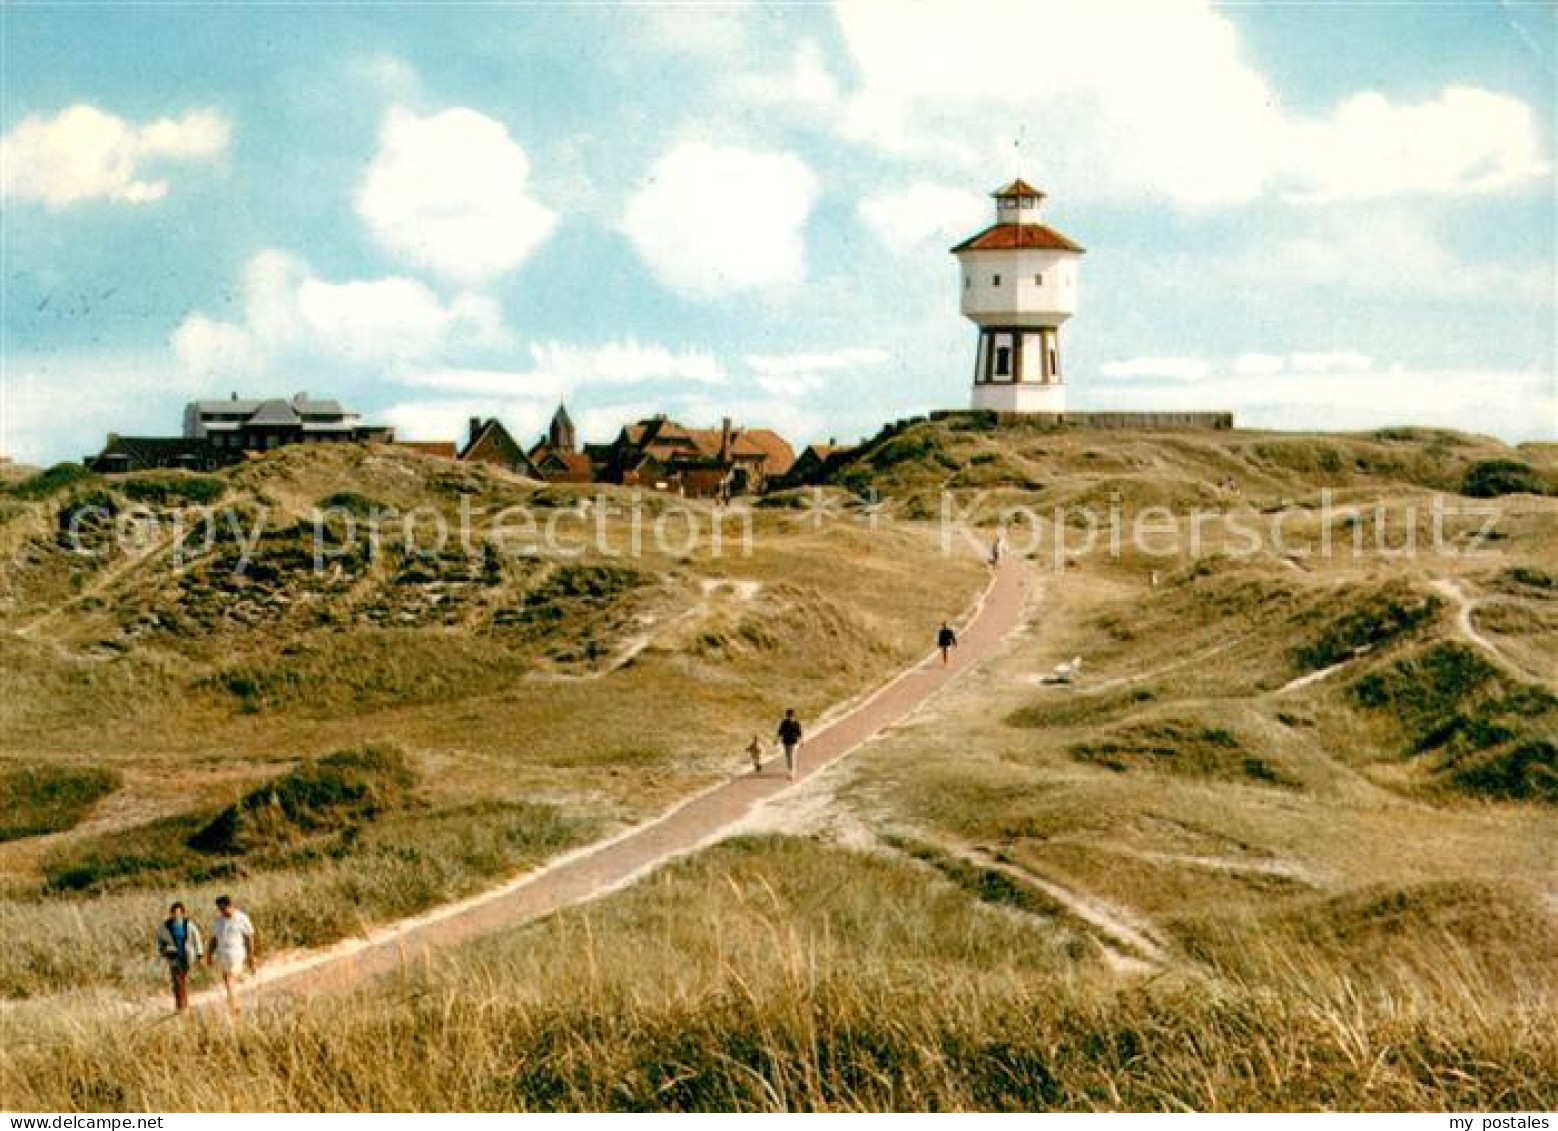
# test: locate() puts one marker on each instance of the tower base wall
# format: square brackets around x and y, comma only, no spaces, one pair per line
[1020,397]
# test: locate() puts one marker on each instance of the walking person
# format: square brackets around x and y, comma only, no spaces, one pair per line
[179,945]
[997,545]
[755,752]
[946,640]
[233,946]
[790,739]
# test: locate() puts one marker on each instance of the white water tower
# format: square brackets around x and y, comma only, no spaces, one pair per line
[1019,284]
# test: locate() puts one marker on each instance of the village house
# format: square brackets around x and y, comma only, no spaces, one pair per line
[556,456]
[489,442]
[663,455]
[815,462]
[219,432]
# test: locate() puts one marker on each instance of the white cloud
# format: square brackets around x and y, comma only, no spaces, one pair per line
[289,313]
[1464,141]
[83,153]
[60,406]
[1258,364]
[1133,96]
[792,385]
[1167,368]
[714,220]
[790,363]
[1337,361]
[806,85]
[448,192]
[559,368]
[800,374]
[626,362]
[450,419]
[1393,253]
[922,212]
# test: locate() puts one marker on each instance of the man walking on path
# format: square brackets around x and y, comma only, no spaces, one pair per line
[790,739]
[232,946]
[996,546]
[178,944]
[946,640]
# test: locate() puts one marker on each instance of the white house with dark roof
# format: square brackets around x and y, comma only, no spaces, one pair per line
[249,424]
[220,432]
[1019,285]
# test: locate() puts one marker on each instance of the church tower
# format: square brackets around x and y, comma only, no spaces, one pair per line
[1019,280]
[559,435]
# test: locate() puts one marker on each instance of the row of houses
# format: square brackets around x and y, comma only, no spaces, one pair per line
[656,453]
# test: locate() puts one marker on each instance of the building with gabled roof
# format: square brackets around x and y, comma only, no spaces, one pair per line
[728,460]
[219,432]
[489,442]
[556,455]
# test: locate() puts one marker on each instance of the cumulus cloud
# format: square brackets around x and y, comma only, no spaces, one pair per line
[1129,96]
[59,406]
[716,220]
[1336,361]
[800,374]
[449,419]
[1395,253]
[850,357]
[806,84]
[84,153]
[448,191]
[923,212]
[1166,368]
[1258,364]
[291,313]
[557,368]
[1466,140]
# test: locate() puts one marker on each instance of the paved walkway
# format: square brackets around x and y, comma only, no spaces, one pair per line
[609,865]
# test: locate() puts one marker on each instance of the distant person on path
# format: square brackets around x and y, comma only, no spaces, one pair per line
[232,946]
[790,739]
[946,640]
[755,752]
[179,945]
[996,546]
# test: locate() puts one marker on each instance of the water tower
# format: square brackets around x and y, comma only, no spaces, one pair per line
[1019,285]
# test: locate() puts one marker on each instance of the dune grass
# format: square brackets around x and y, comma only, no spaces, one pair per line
[834,981]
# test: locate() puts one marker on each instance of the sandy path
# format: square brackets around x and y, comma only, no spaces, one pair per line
[609,865]
[1464,607]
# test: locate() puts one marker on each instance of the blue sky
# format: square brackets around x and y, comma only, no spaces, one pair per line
[1326,217]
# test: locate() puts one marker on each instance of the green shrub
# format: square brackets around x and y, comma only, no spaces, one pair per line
[1489,478]
[51,481]
[173,489]
[87,510]
[355,504]
[343,789]
[39,799]
[1528,772]
[1380,619]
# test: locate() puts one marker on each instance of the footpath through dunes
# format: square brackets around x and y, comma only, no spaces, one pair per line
[606,866]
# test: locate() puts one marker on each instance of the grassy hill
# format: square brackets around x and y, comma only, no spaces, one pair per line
[1286,843]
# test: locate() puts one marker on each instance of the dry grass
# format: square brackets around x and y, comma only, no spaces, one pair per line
[1364,920]
[833,981]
